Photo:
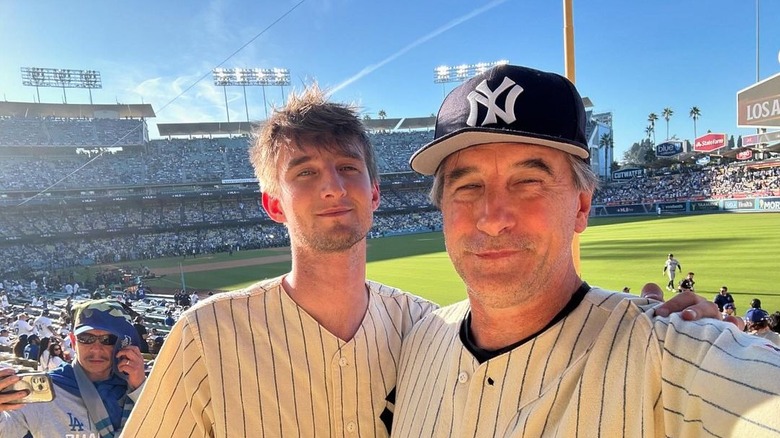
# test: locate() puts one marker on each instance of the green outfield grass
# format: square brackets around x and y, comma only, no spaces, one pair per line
[739,250]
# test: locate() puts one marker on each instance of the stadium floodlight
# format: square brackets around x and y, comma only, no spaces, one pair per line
[460,73]
[61,78]
[228,77]
[445,74]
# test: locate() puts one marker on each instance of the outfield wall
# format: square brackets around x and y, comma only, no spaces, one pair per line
[754,205]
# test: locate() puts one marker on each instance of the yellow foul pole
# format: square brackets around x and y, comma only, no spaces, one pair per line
[568,57]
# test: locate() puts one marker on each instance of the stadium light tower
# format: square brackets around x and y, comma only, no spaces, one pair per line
[60,78]
[444,74]
[251,77]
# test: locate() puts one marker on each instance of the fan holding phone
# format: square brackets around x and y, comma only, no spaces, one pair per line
[94,395]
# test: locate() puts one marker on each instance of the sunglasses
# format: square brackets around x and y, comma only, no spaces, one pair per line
[88,338]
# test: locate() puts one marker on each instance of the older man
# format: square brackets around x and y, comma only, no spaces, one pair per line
[536,351]
[94,395]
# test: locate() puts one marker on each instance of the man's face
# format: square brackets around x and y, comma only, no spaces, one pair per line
[326,198]
[510,212]
[723,291]
[95,358]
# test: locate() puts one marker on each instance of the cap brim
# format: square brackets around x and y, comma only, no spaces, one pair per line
[85,328]
[428,159]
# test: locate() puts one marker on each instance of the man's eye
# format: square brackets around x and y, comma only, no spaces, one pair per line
[466,187]
[528,181]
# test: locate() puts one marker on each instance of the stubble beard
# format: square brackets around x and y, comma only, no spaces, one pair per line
[338,238]
[492,288]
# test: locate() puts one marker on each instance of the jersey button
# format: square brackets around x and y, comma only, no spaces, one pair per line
[351,427]
[463,377]
[343,362]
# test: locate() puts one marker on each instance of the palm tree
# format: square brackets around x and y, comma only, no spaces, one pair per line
[606,142]
[652,118]
[649,131]
[667,113]
[382,114]
[695,114]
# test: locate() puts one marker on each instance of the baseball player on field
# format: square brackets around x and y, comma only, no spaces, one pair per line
[670,268]
[534,350]
[312,352]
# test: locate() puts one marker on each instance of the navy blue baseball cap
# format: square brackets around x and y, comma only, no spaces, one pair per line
[507,104]
[758,315]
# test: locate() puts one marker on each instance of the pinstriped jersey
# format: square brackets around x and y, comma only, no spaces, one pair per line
[253,363]
[606,369]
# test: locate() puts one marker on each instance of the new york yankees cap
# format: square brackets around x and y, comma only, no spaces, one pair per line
[507,104]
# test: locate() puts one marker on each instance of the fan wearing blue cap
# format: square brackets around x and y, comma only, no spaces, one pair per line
[95,394]
[758,324]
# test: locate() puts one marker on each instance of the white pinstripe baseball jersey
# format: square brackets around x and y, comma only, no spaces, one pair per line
[253,363]
[607,369]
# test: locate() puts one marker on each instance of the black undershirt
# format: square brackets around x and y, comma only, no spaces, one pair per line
[483,355]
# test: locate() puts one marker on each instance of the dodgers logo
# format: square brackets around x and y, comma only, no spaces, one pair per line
[483,95]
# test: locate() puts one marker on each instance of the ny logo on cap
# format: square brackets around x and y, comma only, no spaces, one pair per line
[488,98]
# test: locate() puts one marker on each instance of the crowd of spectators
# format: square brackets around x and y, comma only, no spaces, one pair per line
[186,226]
[712,182]
[165,162]
[35,318]
[42,219]
[56,131]
[181,243]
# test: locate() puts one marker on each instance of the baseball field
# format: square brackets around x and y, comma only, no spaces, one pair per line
[738,250]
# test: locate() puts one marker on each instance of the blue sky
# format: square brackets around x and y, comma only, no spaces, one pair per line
[632,58]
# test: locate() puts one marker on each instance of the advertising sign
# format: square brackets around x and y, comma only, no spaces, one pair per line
[759,105]
[668,149]
[709,142]
[672,206]
[704,206]
[754,139]
[627,174]
[739,204]
[745,155]
[625,209]
[770,204]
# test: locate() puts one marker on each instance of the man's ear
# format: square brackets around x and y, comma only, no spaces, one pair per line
[375,196]
[583,211]
[273,207]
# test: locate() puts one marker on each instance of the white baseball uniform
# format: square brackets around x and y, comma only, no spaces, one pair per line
[253,363]
[606,369]
[671,266]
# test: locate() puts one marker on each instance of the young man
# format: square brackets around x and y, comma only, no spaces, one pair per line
[534,350]
[310,353]
[94,395]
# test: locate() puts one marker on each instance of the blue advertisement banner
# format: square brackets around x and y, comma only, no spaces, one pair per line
[668,149]
[739,204]
[625,209]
